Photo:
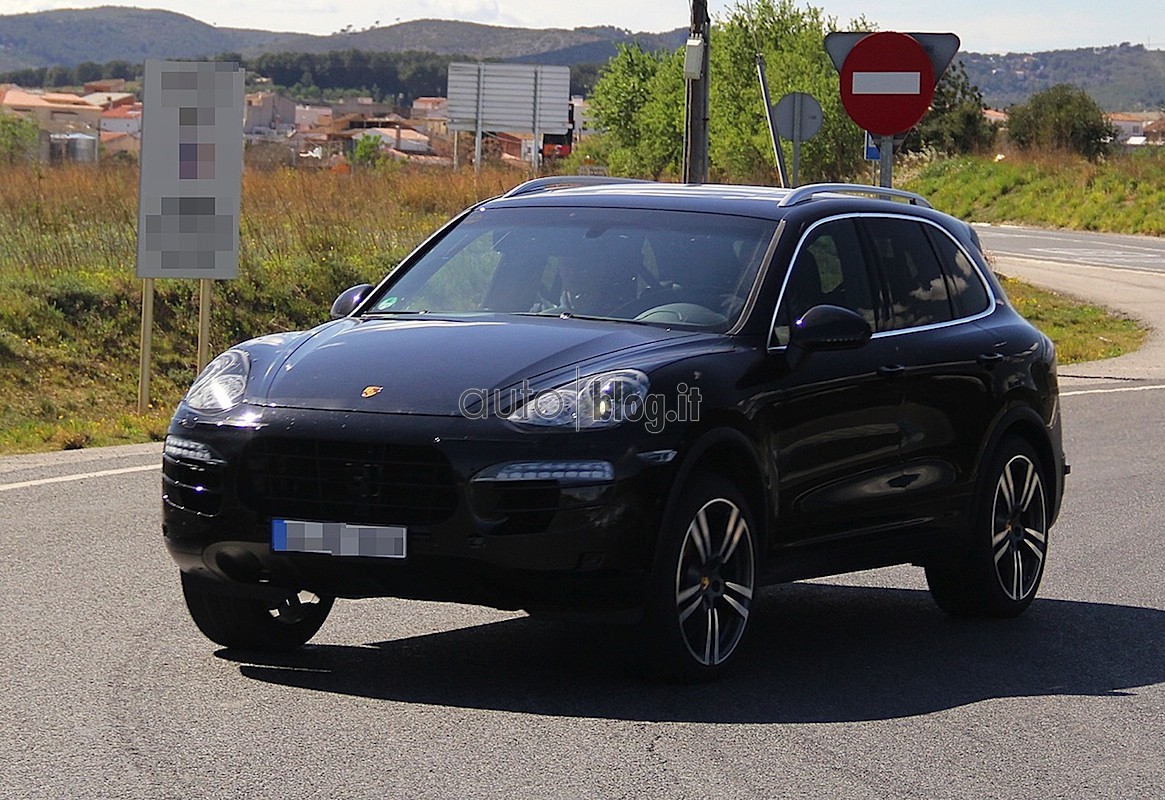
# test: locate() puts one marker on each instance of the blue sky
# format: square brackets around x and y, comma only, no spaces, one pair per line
[985,26]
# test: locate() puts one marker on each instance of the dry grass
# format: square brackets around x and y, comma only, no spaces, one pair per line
[70,303]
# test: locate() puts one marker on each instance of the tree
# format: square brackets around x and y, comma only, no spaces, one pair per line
[639,98]
[367,151]
[955,121]
[18,138]
[791,39]
[1063,117]
[622,91]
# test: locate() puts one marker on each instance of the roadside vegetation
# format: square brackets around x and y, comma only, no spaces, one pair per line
[1120,194]
[70,304]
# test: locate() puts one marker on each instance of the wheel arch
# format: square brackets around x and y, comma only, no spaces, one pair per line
[1024,422]
[725,450]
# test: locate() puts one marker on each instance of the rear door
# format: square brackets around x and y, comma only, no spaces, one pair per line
[935,293]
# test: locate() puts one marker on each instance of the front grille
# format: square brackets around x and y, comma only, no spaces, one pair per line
[357,482]
[192,485]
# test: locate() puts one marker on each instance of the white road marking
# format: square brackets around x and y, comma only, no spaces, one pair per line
[887,83]
[8,487]
[1113,390]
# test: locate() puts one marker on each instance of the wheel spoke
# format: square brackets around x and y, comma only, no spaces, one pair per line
[1016,576]
[1007,487]
[731,535]
[712,637]
[691,609]
[1001,544]
[698,533]
[691,591]
[737,606]
[1035,548]
[1031,482]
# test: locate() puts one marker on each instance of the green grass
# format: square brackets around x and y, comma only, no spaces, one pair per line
[1081,331]
[1123,195]
[70,304]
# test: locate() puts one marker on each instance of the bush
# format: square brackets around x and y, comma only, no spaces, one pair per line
[1062,118]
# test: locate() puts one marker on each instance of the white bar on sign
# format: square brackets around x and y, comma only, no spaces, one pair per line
[887,83]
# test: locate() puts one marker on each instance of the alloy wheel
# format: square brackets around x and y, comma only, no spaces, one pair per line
[1019,540]
[715,580]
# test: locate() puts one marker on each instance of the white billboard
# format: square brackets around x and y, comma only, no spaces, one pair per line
[516,98]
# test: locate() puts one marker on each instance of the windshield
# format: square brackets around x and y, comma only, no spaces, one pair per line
[671,267]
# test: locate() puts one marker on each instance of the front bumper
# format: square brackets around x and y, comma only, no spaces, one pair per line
[529,541]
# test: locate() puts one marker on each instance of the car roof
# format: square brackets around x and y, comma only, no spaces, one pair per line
[766,202]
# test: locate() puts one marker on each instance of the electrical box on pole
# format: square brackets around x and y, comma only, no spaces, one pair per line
[696,105]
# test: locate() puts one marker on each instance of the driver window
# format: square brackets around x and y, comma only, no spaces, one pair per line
[829,269]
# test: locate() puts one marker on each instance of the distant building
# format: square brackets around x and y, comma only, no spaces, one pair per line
[122,119]
[1129,125]
[108,100]
[113,143]
[430,114]
[268,114]
[399,138]
[309,116]
[56,112]
[1155,131]
[105,85]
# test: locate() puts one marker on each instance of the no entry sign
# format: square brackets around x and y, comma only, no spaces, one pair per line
[887,82]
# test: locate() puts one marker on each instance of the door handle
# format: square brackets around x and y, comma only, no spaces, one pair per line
[891,370]
[989,360]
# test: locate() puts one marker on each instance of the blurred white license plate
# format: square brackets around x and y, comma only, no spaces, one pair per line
[338,538]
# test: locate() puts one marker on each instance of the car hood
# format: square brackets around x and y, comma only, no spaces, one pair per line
[439,365]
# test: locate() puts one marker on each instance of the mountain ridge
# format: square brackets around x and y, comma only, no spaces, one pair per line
[1120,77]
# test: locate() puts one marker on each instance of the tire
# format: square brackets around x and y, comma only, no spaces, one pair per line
[702,587]
[1000,575]
[250,623]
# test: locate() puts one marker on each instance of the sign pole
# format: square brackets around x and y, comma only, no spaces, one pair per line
[886,162]
[147,342]
[782,173]
[797,102]
[204,292]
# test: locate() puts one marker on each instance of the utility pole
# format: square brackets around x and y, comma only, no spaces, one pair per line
[696,106]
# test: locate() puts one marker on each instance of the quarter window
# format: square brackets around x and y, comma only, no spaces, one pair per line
[966,288]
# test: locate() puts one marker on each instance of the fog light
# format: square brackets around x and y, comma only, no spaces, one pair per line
[187,450]
[562,471]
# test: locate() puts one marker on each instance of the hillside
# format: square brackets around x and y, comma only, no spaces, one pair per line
[100,35]
[1121,77]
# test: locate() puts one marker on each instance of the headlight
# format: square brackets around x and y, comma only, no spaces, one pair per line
[222,384]
[596,401]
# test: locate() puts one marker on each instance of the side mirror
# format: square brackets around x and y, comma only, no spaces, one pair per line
[348,300]
[829,328]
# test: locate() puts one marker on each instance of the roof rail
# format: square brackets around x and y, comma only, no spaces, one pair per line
[564,182]
[803,193]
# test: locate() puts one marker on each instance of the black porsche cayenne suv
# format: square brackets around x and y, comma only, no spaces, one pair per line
[634,400]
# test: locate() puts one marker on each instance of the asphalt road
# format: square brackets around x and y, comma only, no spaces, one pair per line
[855,687]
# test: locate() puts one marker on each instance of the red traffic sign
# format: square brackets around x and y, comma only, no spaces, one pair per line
[887,82]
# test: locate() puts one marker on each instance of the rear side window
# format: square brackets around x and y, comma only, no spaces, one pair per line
[968,294]
[915,282]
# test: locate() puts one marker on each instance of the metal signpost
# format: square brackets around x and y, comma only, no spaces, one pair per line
[887,81]
[798,117]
